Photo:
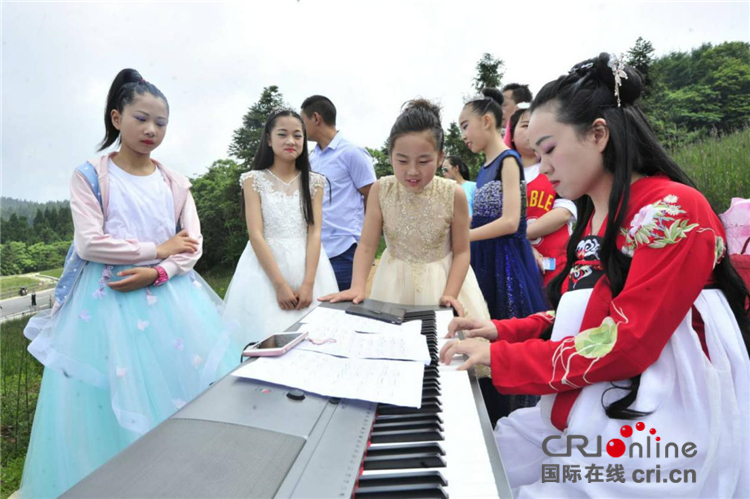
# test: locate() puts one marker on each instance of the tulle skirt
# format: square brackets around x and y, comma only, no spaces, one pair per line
[117,364]
[508,276]
[398,281]
[250,302]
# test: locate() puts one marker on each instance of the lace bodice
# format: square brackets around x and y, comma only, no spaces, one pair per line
[281,203]
[417,225]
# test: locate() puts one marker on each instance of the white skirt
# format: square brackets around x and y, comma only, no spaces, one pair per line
[250,302]
[690,398]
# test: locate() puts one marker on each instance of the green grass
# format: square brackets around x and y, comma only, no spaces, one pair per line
[53,272]
[720,167]
[381,247]
[10,285]
[19,389]
[16,281]
[218,278]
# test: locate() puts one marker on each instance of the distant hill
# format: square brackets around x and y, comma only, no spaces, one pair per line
[23,208]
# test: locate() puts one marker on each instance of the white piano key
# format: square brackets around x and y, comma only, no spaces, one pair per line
[468,469]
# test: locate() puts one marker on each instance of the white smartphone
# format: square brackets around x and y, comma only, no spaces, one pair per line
[274,345]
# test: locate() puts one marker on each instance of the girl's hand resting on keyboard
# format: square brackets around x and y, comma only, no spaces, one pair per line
[449,301]
[353,295]
[472,328]
[477,351]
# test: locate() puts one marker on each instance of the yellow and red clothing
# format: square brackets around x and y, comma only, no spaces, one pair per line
[540,199]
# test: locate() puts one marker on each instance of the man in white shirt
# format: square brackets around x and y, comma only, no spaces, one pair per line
[350,172]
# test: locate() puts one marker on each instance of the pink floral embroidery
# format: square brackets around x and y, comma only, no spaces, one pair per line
[643,218]
[197,361]
[656,226]
[103,280]
[84,316]
[178,344]
[195,281]
[142,324]
[120,372]
[150,298]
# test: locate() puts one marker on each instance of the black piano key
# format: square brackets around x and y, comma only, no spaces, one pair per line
[430,408]
[390,450]
[418,491]
[432,392]
[400,418]
[404,462]
[413,478]
[430,399]
[406,425]
[424,315]
[400,436]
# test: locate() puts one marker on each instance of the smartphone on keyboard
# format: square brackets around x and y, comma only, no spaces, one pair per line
[274,345]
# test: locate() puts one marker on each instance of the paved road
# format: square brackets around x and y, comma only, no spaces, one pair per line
[13,306]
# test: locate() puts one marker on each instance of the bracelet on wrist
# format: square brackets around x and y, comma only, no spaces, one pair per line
[162,276]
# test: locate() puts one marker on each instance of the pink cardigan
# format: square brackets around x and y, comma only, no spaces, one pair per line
[92,244]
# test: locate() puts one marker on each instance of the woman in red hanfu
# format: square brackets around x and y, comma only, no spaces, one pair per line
[647,349]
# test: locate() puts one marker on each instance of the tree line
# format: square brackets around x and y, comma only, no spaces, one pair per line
[689,96]
[37,244]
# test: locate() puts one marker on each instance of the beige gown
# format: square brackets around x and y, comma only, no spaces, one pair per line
[414,268]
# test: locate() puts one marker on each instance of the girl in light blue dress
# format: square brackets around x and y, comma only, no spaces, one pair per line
[135,333]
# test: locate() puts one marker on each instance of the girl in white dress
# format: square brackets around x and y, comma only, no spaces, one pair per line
[282,270]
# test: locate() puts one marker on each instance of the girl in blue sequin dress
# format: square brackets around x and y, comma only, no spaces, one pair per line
[501,255]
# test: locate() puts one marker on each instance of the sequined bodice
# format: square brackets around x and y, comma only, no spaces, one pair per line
[417,225]
[488,198]
[281,203]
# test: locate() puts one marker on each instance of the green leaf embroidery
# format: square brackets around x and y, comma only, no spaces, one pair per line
[597,342]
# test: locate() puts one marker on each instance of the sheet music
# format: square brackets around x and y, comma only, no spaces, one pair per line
[324,316]
[344,342]
[384,381]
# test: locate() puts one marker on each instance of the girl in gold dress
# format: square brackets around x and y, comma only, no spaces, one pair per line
[425,220]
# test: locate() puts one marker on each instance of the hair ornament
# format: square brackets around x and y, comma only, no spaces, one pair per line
[617,64]
[476,98]
[523,105]
[581,67]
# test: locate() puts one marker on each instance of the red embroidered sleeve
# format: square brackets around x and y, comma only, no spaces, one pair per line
[673,257]
[531,327]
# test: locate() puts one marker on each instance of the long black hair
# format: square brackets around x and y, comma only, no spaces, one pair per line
[264,157]
[127,84]
[514,119]
[578,99]
[459,163]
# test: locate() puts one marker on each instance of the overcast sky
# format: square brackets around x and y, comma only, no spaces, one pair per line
[213,59]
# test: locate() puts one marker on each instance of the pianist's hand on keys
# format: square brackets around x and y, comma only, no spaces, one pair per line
[472,328]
